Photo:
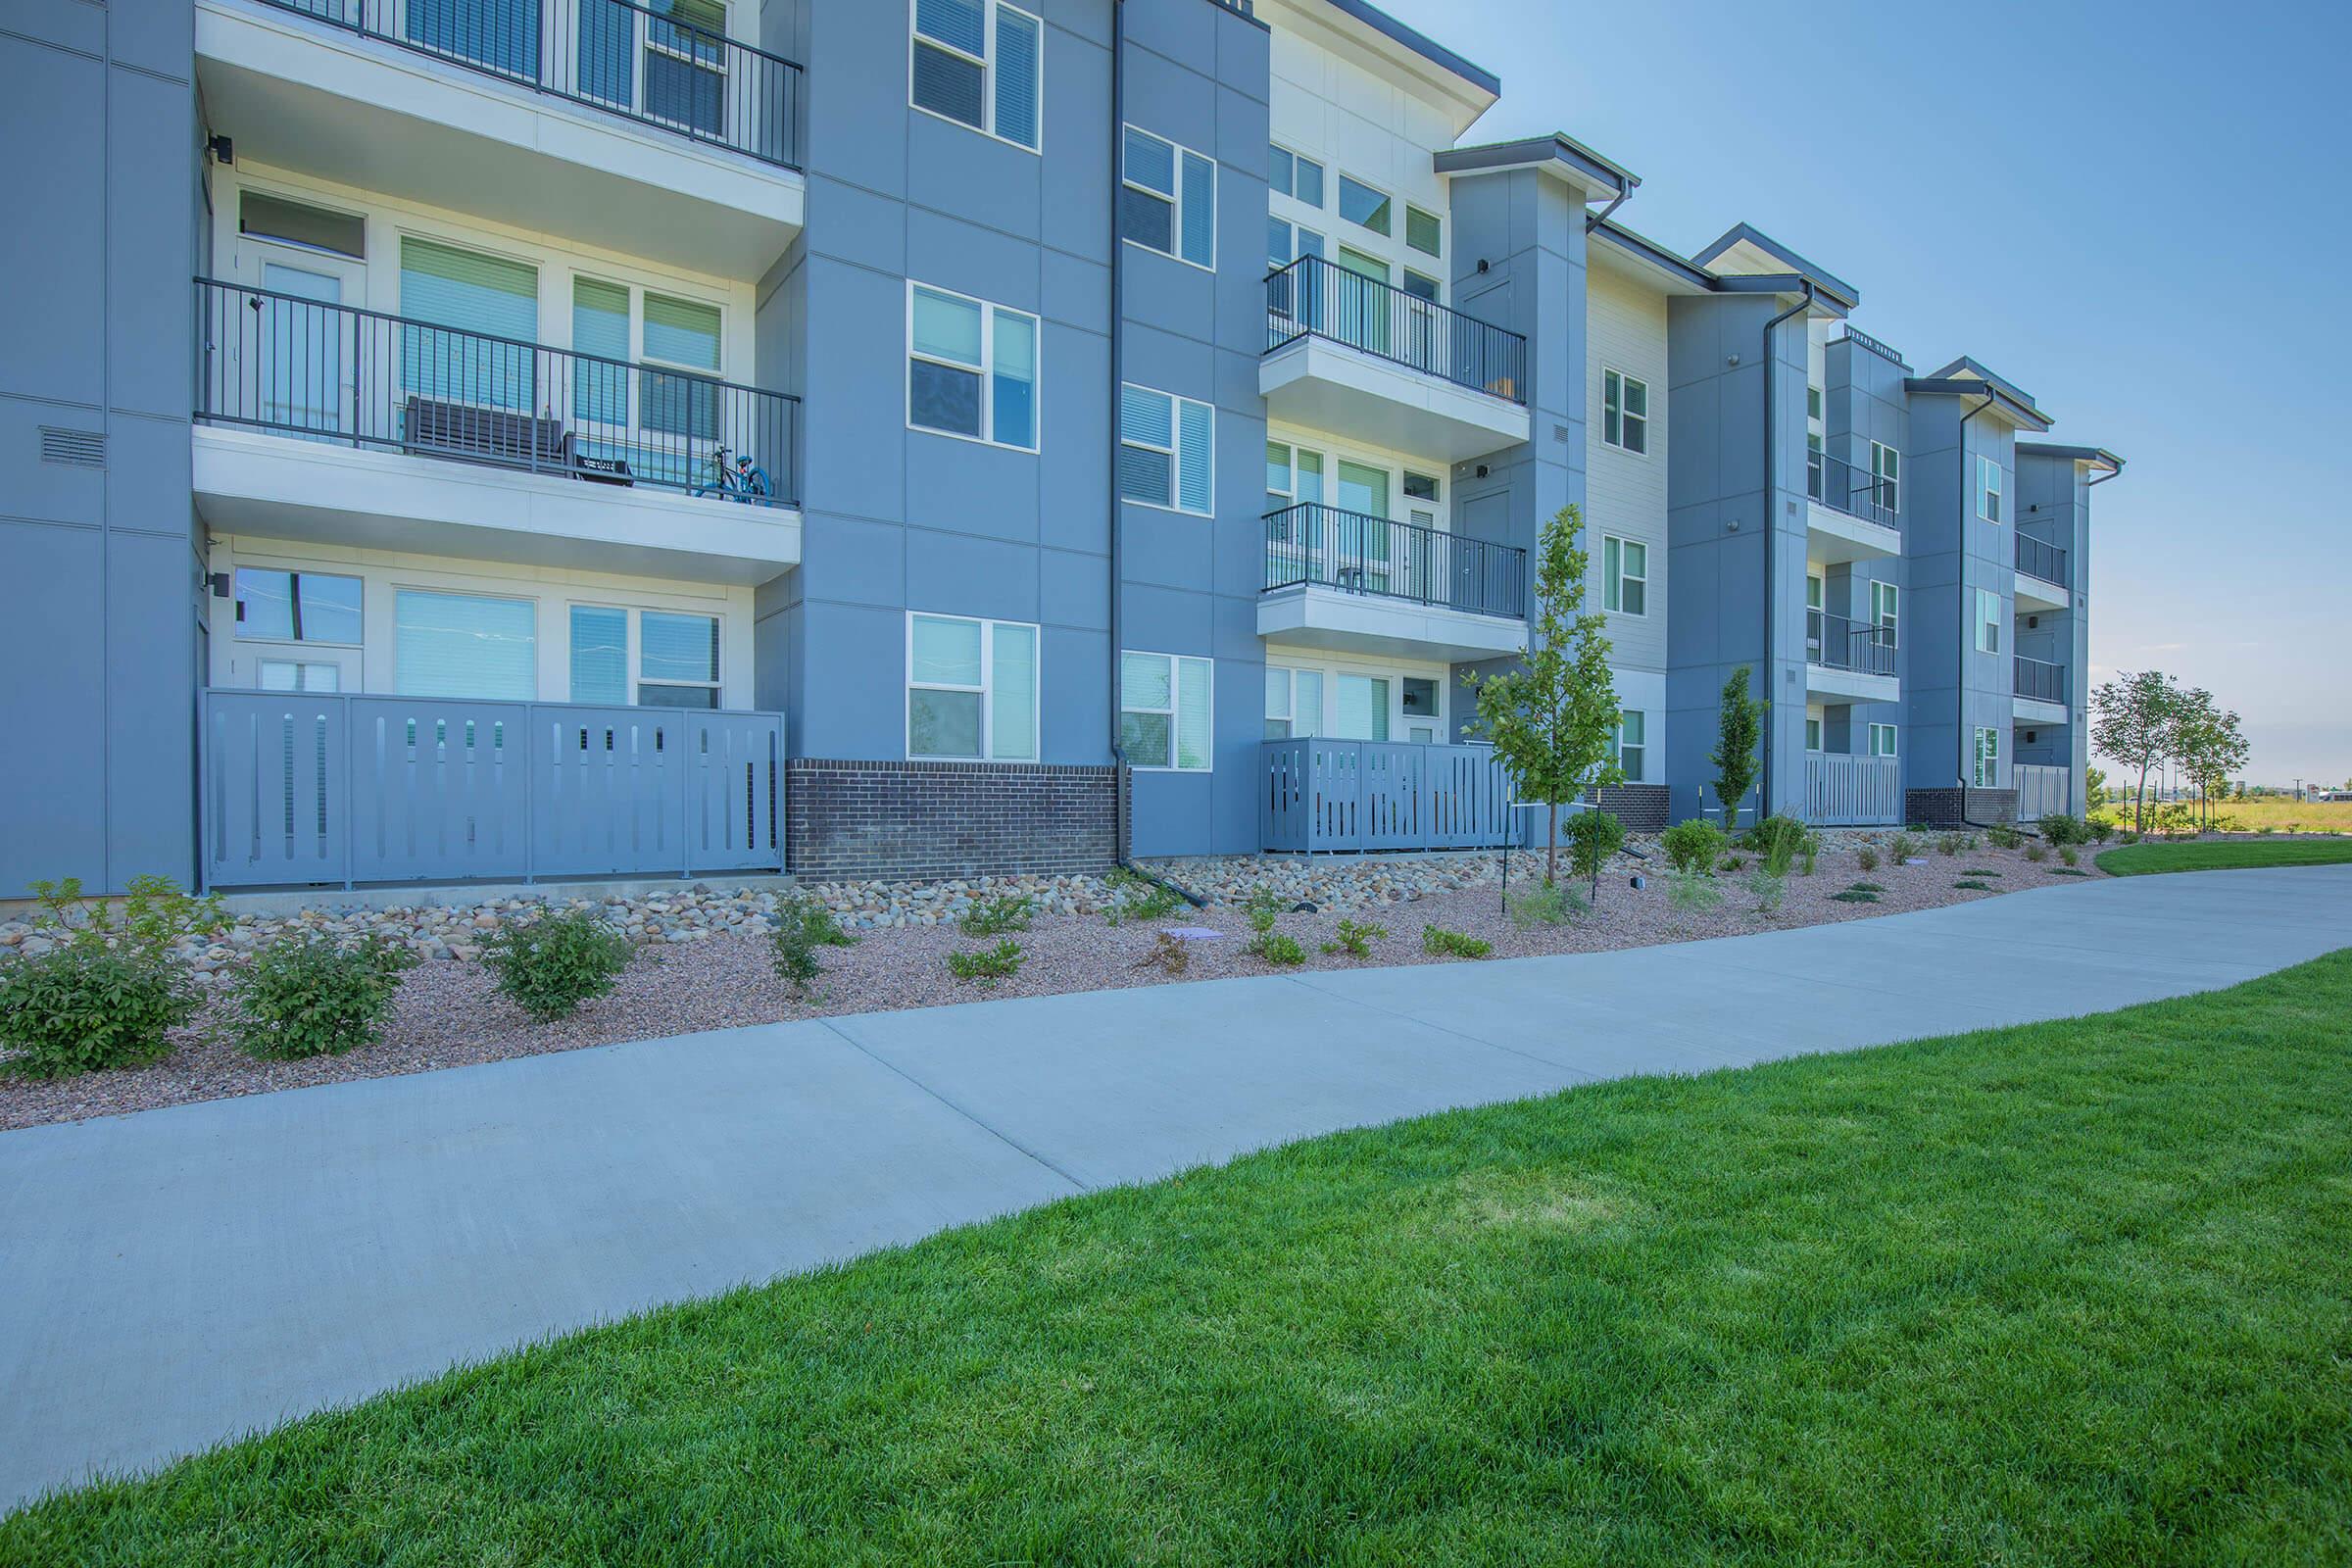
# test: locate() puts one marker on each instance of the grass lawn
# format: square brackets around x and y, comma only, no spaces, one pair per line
[2222,855]
[2070,1293]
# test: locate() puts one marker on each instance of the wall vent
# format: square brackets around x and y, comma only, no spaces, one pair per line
[83,449]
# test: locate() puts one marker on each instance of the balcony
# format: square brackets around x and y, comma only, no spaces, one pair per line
[348,426]
[1349,352]
[2042,574]
[2040,691]
[649,130]
[1843,791]
[1848,660]
[1853,515]
[1345,580]
[1321,793]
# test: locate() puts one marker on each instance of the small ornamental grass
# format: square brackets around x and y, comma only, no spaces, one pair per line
[1867,858]
[1900,848]
[551,965]
[1453,944]
[1545,904]
[310,997]
[1769,889]
[988,965]
[1693,892]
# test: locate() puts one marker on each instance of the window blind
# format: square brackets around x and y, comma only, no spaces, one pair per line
[1016,78]
[600,655]
[471,294]
[460,645]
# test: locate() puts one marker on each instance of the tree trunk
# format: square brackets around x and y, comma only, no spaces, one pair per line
[1552,849]
[2139,802]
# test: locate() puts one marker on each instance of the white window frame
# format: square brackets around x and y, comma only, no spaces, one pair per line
[986,690]
[1890,733]
[987,369]
[1175,452]
[633,651]
[1986,763]
[1322,171]
[1385,194]
[1816,728]
[1175,199]
[1613,410]
[1988,620]
[1176,667]
[237,623]
[1886,468]
[1641,774]
[1612,589]
[1437,257]
[988,75]
[1290,675]
[1989,489]
[1886,610]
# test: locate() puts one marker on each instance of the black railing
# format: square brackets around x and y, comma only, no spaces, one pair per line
[2041,680]
[643,63]
[1839,642]
[333,374]
[1316,544]
[2039,558]
[1841,486]
[1313,297]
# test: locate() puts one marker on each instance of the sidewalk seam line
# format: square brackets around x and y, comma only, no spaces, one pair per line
[1006,1139]
[1305,983]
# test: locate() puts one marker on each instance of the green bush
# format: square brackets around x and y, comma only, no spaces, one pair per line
[1950,844]
[1855,895]
[1693,892]
[2100,830]
[2059,829]
[1902,846]
[1355,938]
[1134,896]
[308,997]
[556,962]
[1453,944]
[1978,871]
[1593,837]
[994,917]
[1278,947]
[2069,855]
[814,921]
[1694,845]
[990,964]
[1867,858]
[2002,836]
[1974,885]
[1545,904]
[85,1006]
[1769,889]
[154,918]
[2037,851]
[1778,842]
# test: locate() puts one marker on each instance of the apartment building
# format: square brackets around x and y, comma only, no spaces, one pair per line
[538,438]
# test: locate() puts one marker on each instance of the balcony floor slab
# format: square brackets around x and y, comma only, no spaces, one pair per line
[1337,618]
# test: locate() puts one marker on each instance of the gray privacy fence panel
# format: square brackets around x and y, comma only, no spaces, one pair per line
[1323,794]
[1844,791]
[2041,790]
[303,788]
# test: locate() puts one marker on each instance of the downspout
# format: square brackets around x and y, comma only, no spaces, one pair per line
[1771,527]
[1991,397]
[1592,220]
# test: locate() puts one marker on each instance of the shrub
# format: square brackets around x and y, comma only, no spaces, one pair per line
[795,958]
[1777,841]
[1978,871]
[1355,938]
[2037,851]
[1279,947]
[2127,836]
[2059,829]
[1545,904]
[1809,852]
[556,962]
[1593,837]
[2100,829]
[1694,845]
[308,997]
[1453,944]
[814,921]
[1265,906]
[989,965]
[2067,870]
[156,916]
[1901,848]
[994,917]
[2069,855]
[2002,836]
[1733,863]
[1134,896]
[85,1006]
[1770,889]
[1170,953]
[1950,844]
[1867,858]
[1973,885]
[1693,893]
[1855,895]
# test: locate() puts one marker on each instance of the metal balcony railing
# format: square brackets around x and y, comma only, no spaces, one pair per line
[650,64]
[1316,544]
[332,373]
[1841,486]
[2041,680]
[1837,642]
[1313,297]
[2039,558]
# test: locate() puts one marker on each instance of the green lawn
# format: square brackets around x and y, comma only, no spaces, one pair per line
[2225,855]
[2072,1293]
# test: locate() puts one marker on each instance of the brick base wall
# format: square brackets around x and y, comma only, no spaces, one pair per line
[913,820]
[1942,808]
[1642,807]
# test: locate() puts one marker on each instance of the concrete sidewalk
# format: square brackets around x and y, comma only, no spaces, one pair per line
[181,1276]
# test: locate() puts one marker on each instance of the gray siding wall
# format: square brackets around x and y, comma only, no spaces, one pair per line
[2053,504]
[98,565]
[1951,689]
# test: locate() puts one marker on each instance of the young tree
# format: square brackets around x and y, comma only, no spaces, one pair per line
[2132,719]
[2094,788]
[1553,719]
[1739,729]
[2209,742]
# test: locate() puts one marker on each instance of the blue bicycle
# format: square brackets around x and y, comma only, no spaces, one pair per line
[738,479]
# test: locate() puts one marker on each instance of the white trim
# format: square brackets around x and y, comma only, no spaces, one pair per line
[988,75]
[1175,451]
[1177,151]
[1614,587]
[1641,776]
[1988,620]
[985,370]
[1893,734]
[1993,486]
[1985,760]
[1887,468]
[1383,192]
[1624,380]
[1888,615]
[1175,707]
[986,690]
[634,650]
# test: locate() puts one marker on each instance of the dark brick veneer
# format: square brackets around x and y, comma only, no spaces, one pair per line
[943,819]
[1942,808]
[1642,807]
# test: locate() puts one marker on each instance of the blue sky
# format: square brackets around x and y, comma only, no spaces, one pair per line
[2128,210]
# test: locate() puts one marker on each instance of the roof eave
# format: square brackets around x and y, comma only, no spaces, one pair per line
[1560,156]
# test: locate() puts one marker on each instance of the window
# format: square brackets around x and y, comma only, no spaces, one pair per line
[1989,479]
[1881,740]
[1287,242]
[1164,711]
[675,658]
[1624,412]
[1361,704]
[972,369]
[1812,732]
[1988,621]
[1294,703]
[1625,575]
[1813,405]
[1420,285]
[977,63]
[1362,205]
[1987,773]
[1886,476]
[298,675]
[1287,174]
[297,606]
[491,303]
[1167,455]
[972,689]
[267,216]
[1886,606]
[1633,743]
[1169,199]
[464,644]
[1418,696]
[1424,231]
